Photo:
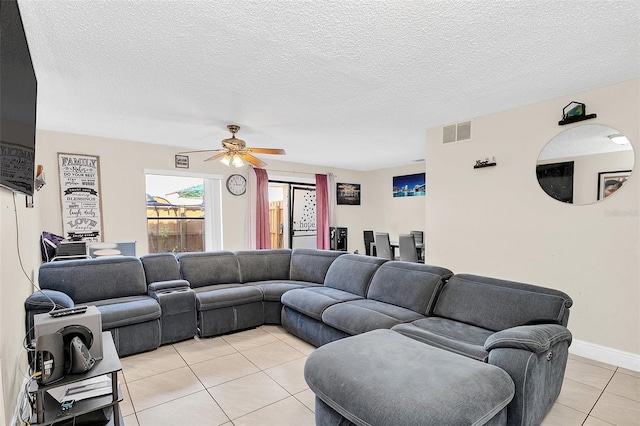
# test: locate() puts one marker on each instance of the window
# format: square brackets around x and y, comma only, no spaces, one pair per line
[183,212]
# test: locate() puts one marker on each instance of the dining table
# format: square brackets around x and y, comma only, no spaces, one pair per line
[394,245]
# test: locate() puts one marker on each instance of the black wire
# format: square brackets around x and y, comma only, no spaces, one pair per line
[33,284]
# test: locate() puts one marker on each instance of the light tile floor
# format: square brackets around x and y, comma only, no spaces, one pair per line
[255,377]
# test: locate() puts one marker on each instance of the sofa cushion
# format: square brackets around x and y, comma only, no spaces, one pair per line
[209,268]
[312,301]
[352,273]
[160,267]
[225,295]
[311,265]
[446,334]
[95,279]
[272,291]
[410,285]
[496,304]
[360,316]
[125,311]
[264,265]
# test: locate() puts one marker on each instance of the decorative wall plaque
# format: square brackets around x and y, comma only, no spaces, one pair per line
[80,196]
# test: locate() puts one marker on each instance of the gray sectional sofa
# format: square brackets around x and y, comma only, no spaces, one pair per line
[518,327]
[324,297]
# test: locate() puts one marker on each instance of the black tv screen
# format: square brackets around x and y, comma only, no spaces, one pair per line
[18,87]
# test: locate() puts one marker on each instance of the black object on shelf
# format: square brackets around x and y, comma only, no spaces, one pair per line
[575,114]
[484,163]
[338,239]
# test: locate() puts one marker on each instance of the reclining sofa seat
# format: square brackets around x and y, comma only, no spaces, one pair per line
[240,290]
[360,294]
[277,271]
[399,292]
[116,286]
[518,327]
[223,303]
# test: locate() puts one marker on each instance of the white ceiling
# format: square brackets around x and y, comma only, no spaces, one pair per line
[588,139]
[351,84]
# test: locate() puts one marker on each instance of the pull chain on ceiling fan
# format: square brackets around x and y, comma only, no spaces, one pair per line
[235,151]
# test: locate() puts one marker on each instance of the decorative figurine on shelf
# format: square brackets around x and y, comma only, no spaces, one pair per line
[485,163]
[575,113]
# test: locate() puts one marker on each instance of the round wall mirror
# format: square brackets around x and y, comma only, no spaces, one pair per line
[585,164]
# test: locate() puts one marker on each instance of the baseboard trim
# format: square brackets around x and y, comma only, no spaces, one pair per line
[604,354]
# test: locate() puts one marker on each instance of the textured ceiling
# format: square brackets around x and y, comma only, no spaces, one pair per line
[588,139]
[352,84]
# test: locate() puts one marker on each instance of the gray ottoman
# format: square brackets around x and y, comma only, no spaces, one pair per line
[384,378]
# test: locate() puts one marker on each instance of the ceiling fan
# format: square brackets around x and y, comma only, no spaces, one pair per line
[235,151]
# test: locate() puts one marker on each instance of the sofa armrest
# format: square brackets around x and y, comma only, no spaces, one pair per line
[161,286]
[41,302]
[534,338]
[44,300]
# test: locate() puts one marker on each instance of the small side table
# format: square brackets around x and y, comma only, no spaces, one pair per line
[48,408]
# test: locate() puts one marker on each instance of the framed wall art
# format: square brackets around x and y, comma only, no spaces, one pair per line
[610,182]
[80,196]
[410,185]
[182,161]
[348,194]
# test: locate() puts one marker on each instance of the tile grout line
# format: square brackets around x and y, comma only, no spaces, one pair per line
[261,370]
[600,396]
[252,363]
[200,381]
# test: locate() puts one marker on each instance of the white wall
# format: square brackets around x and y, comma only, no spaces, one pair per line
[122,165]
[497,221]
[15,287]
[393,215]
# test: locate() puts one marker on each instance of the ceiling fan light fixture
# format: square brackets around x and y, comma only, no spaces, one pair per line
[226,160]
[237,161]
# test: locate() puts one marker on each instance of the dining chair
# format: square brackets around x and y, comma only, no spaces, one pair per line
[383,246]
[419,236]
[408,250]
[368,239]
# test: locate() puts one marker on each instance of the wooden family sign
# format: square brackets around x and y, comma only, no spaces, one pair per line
[80,196]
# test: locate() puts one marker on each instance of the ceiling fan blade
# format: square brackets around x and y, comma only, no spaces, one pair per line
[268,151]
[215,157]
[253,160]
[203,150]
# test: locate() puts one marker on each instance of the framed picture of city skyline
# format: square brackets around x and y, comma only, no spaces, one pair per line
[410,185]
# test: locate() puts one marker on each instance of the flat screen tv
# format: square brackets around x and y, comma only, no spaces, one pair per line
[18,87]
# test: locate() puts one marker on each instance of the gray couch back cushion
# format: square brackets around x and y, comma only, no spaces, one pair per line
[160,267]
[209,268]
[311,265]
[352,273]
[410,285]
[264,265]
[88,280]
[496,304]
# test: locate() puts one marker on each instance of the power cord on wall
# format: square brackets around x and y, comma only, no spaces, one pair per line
[25,404]
[33,284]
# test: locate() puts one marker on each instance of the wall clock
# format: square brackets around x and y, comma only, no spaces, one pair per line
[237,184]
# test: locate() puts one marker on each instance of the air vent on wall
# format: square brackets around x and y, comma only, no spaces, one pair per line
[456,132]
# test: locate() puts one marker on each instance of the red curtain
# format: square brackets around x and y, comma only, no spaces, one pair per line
[263,240]
[322,212]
